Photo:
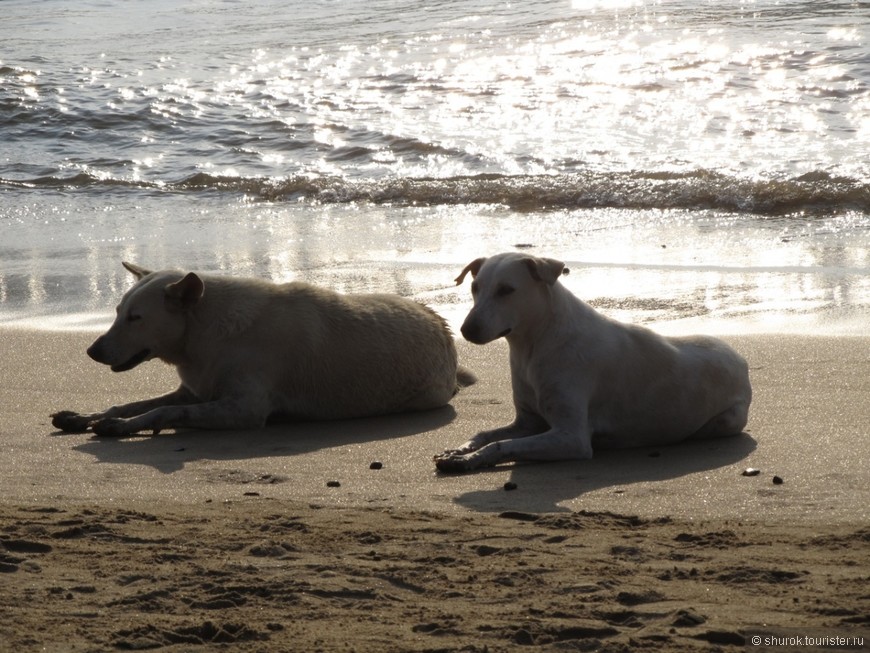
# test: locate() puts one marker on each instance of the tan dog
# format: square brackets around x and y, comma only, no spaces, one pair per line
[247,349]
[582,381]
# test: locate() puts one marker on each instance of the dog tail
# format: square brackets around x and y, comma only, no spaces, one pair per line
[464,378]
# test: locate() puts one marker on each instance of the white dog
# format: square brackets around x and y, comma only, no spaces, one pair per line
[247,349]
[582,381]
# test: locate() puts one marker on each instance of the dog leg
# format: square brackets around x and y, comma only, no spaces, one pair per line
[228,413]
[72,422]
[525,424]
[446,460]
[560,432]
[484,438]
[555,444]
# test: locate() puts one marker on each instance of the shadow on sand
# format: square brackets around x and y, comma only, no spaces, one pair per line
[169,452]
[541,487]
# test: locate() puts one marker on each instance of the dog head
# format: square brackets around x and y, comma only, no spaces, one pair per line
[150,320]
[511,293]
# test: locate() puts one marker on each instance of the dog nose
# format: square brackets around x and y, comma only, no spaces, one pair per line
[470,331]
[95,351]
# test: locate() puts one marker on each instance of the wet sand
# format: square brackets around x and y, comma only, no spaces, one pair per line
[286,539]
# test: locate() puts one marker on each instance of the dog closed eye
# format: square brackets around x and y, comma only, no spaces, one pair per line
[503,290]
[133,317]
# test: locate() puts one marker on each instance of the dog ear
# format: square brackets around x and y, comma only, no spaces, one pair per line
[137,271]
[547,270]
[182,295]
[473,267]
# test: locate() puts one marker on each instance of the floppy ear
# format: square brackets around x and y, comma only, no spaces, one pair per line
[473,267]
[182,295]
[547,270]
[137,271]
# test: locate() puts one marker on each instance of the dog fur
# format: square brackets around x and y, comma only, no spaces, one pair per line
[583,381]
[247,350]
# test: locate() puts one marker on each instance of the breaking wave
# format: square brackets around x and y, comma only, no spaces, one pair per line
[814,193]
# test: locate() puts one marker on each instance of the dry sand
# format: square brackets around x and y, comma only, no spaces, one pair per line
[191,540]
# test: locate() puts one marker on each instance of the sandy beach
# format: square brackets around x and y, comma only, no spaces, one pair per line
[700,167]
[287,539]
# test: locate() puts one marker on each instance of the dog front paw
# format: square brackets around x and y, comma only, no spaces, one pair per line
[112,427]
[452,461]
[69,421]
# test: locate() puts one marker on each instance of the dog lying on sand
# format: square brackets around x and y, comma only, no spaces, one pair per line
[247,350]
[583,381]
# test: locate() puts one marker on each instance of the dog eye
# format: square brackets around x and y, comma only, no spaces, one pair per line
[133,317]
[504,291]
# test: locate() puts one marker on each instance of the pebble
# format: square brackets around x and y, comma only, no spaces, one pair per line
[523,637]
[688,618]
[510,485]
[777,480]
[333,484]
[751,471]
[376,465]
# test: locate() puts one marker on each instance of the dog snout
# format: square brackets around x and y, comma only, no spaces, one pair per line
[97,350]
[471,331]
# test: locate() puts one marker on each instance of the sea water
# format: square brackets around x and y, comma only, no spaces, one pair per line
[699,165]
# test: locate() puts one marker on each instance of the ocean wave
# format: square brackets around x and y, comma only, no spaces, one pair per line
[812,193]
